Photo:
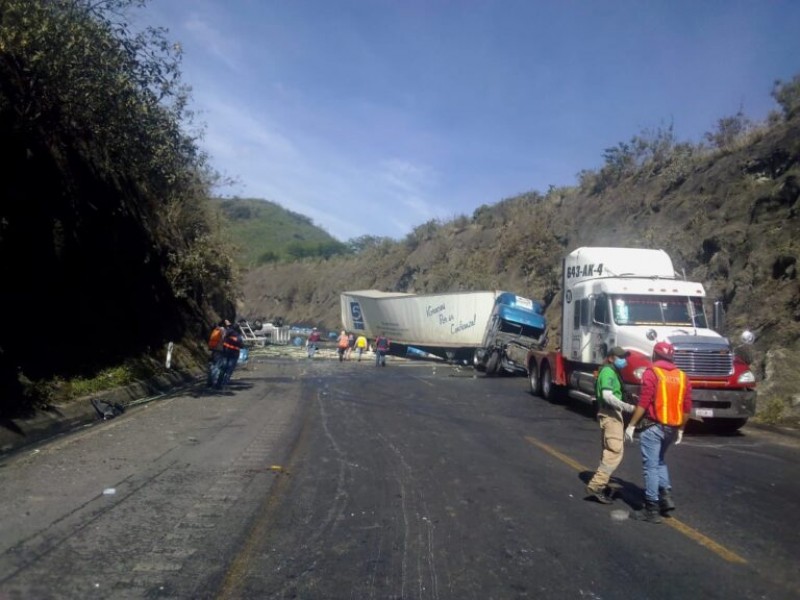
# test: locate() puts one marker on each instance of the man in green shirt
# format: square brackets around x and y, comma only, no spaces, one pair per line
[610,408]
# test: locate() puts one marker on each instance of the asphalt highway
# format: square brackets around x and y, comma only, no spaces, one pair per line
[317,479]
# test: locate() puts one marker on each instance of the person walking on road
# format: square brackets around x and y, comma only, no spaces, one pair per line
[231,346]
[216,360]
[610,408]
[382,345]
[361,346]
[663,410]
[342,344]
[311,342]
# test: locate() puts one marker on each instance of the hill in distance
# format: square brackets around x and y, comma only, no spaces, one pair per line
[264,232]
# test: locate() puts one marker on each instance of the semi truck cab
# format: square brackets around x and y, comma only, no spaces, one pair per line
[632,297]
[515,325]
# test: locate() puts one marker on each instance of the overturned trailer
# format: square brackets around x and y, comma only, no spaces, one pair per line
[450,326]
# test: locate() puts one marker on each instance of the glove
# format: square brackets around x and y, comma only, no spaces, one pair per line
[679,439]
[629,433]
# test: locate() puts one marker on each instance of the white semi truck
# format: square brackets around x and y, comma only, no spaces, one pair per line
[632,297]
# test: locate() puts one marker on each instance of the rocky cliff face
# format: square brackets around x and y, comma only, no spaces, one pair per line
[730,221]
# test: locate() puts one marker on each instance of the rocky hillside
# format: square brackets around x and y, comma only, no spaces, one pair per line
[727,217]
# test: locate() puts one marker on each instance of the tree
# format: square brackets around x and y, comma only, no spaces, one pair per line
[787,95]
[729,129]
[104,188]
[364,242]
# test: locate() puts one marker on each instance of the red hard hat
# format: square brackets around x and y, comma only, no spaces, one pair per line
[664,350]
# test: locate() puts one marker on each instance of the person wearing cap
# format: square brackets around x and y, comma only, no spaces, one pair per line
[610,408]
[663,411]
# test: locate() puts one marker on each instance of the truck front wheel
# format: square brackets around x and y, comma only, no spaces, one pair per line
[493,363]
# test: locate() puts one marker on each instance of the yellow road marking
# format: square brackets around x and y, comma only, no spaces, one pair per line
[689,532]
[553,452]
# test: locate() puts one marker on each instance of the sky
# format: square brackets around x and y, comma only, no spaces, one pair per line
[372,117]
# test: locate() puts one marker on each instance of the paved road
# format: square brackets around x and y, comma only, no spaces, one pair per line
[318,479]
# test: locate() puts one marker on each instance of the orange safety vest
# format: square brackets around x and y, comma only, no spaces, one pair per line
[215,340]
[343,341]
[670,391]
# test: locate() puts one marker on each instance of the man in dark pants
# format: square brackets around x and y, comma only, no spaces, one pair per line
[231,346]
[216,360]
[382,345]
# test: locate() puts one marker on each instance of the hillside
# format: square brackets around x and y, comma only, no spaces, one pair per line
[728,218]
[108,248]
[263,231]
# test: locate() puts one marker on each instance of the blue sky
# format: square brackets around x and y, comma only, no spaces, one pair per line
[372,117]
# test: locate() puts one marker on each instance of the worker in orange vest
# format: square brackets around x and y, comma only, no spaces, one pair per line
[663,411]
[342,344]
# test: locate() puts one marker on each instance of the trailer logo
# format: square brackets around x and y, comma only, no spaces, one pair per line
[356,314]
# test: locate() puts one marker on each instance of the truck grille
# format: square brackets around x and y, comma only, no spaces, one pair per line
[707,363]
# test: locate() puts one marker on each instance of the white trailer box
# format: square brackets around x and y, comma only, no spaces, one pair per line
[453,320]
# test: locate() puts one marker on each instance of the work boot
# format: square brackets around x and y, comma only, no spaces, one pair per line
[649,513]
[665,501]
[601,496]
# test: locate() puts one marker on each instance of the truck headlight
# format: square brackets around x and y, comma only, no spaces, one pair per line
[638,372]
[746,377]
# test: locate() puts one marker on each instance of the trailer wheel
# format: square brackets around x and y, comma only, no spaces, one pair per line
[533,378]
[492,363]
[550,391]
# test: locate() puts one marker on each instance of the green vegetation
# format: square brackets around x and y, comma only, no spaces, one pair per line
[58,390]
[265,232]
[655,152]
[787,95]
[105,195]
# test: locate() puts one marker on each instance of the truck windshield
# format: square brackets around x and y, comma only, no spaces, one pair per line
[659,310]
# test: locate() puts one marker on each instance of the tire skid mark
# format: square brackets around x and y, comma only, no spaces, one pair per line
[424,538]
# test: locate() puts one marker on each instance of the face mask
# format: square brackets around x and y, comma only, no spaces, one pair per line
[620,363]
